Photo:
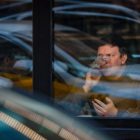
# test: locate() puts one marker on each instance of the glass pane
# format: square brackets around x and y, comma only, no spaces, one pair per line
[97,56]
[16,43]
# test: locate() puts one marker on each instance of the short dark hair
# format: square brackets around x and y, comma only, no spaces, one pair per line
[115,40]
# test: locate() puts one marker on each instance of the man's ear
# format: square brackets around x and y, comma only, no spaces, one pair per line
[124,58]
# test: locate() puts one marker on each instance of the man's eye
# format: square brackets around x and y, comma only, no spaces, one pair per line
[109,55]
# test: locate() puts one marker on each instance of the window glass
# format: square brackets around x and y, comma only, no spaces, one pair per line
[16,43]
[97,56]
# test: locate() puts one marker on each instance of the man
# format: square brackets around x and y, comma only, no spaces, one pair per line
[113,81]
[109,90]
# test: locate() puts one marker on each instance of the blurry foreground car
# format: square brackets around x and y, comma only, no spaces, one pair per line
[25,116]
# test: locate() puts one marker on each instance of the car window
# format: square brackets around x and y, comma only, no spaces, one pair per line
[96,53]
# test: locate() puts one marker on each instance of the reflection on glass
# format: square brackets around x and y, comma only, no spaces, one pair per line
[16,43]
[111,87]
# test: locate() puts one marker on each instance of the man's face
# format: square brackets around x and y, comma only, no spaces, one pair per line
[112,58]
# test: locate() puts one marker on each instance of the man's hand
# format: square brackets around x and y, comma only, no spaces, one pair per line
[105,110]
[90,82]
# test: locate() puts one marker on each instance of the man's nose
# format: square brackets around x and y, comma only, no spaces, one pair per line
[104,58]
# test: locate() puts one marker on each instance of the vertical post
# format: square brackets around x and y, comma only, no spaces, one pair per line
[42,46]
